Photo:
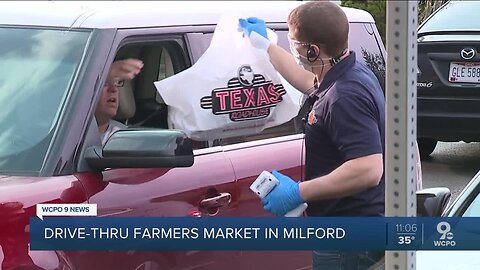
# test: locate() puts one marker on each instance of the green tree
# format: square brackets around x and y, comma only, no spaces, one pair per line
[427,7]
[375,7]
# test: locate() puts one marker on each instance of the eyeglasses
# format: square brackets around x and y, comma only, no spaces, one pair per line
[301,43]
[294,45]
[119,83]
[116,83]
[294,42]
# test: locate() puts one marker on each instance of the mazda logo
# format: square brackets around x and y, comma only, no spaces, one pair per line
[468,53]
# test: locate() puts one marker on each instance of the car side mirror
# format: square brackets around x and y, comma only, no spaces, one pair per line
[432,202]
[142,148]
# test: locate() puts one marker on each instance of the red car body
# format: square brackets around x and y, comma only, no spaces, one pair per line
[217,184]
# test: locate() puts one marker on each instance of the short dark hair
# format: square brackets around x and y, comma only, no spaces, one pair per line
[321,22]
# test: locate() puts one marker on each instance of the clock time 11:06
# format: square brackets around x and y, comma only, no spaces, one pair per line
[406,228]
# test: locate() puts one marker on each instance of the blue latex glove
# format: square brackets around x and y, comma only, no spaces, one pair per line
[256,30]
[283,198]
[253,24]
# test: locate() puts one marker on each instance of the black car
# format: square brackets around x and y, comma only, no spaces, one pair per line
[449,76]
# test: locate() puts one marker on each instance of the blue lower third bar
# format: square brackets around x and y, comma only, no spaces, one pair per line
[266,233]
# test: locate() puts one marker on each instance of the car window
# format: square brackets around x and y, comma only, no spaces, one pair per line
[473,209]
[447,18]
[140,103]
[162,60]
[37,69]
[366,46]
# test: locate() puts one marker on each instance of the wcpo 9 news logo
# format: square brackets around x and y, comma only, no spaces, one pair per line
[247,96]
[446,236]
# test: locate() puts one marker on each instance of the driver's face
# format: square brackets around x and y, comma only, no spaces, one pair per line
[108,104]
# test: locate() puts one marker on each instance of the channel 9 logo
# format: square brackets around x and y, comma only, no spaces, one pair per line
[446,236]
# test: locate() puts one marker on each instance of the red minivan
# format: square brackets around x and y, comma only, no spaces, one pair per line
[54,59]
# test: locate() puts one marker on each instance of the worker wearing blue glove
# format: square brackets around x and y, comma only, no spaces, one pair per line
[283,198]
[345,131]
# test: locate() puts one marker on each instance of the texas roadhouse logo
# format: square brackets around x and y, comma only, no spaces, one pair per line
[247,96]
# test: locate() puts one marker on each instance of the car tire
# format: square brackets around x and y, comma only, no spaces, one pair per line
[426,146]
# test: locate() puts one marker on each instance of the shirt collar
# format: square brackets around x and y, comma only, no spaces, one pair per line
[336,72]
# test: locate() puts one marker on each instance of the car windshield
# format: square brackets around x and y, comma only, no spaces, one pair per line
[37,68]
[448,18]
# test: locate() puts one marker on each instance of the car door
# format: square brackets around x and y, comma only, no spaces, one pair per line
[206,189]
[249,159]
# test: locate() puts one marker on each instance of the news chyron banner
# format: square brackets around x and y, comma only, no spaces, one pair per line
[86,231]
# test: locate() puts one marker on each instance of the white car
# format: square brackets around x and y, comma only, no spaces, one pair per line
[467,204]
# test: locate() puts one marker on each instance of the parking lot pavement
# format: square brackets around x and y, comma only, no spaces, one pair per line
[451,165]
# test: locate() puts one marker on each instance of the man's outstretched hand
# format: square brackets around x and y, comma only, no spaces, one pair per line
[125,69]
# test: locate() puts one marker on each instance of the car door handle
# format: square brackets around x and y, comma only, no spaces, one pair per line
[223,199]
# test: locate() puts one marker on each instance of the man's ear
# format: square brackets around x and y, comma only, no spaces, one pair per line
[313,52]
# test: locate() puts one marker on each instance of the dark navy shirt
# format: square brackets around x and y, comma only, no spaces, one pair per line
[347,121]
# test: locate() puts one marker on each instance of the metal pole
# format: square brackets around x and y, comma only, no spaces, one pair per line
[401,119]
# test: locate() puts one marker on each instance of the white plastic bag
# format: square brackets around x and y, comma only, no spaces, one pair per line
[232,90]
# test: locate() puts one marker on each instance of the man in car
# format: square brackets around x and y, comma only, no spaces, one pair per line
[345,131]
[107,106]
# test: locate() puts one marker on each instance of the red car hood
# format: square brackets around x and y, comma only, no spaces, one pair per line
[30,191]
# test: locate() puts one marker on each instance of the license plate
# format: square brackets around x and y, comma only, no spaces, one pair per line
[466,72]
